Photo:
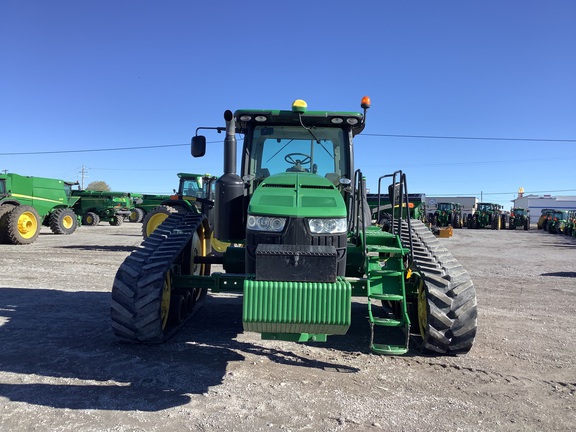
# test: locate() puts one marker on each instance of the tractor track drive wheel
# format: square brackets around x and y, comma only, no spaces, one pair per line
[446,306]
[155,218]
[146,307]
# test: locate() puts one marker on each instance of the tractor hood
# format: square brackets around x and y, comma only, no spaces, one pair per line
[297,195]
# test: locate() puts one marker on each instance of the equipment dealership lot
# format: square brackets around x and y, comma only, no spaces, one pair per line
[62,369]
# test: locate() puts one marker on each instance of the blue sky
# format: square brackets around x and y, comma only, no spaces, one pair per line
[94,75]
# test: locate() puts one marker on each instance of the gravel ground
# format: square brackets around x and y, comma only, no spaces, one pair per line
[61,368]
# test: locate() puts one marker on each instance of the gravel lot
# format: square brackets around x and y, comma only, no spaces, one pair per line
[61,368]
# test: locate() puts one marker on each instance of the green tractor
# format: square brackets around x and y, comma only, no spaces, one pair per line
[487,215]
[302,247]
[556,223]
[447,214]
[143,204]
[570,228]
[27,203]
[195,193]
[519,218]
[545,215]
[102,206]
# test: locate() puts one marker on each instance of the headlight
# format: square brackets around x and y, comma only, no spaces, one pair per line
[328,226]
[265,223]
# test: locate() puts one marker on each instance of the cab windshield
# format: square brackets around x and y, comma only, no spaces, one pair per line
[281,149]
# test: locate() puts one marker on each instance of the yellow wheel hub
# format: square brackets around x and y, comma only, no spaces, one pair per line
[154,222]
[67,222]
[27,225]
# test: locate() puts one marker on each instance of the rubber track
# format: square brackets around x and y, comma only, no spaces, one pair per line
[452,319]
[137,289]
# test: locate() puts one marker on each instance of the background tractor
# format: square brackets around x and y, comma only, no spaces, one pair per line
[302,246]
[102,206]
[381,207]
[544,217]
[519,218]
[487,215]
[447,214]
[143,204]
[27,203]
[570,228]
[195,193]
[556,222]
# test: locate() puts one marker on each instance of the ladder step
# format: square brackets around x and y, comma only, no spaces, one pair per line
[388,322]
[384,249]
[389,297]
[386,273]
[389,349]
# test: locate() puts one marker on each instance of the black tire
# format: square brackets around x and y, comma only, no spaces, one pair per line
[137,215]
[63,221]
[4,210]
[116,220]
[527,225]
[155,218]
[90,219]
[22,225]
[447,308]
[143,296]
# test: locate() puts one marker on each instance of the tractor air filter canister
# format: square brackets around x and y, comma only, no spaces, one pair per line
[229,224]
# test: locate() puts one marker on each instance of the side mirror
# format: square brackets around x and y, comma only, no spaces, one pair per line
[198,147]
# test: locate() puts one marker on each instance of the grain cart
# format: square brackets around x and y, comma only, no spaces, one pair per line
[195,192]
[381,208]
[105,206]
[487,215]
[302,246]
[447,214]
[28,202]
[143,204]
[519,218]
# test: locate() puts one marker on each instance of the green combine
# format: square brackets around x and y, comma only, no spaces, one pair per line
[302,246]
[27,203]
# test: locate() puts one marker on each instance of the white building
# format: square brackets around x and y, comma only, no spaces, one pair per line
[535,203]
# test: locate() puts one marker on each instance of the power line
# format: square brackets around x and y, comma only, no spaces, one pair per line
[470,138]
[365,134]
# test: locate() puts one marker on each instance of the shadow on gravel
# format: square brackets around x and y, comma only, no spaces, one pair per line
[561,274]
[62,348]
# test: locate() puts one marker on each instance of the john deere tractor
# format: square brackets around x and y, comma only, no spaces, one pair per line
[487,215]
[519,218]
[447,214]
[302,246]
[195,193]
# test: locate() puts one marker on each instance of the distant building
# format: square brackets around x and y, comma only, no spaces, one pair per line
[535,203]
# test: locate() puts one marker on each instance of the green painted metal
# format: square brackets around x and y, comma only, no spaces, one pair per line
[297,195]
[297,307]
[44,194]
[106,204]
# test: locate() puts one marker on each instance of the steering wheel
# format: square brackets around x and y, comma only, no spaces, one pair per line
[289,158]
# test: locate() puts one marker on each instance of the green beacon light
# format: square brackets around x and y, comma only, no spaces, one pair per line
[299,106]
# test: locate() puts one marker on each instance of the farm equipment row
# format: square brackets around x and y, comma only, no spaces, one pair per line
[558,221]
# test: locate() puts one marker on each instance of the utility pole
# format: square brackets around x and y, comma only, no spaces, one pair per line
[5,171]
[83,174]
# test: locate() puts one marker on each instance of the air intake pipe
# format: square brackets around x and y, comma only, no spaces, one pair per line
[229,223]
